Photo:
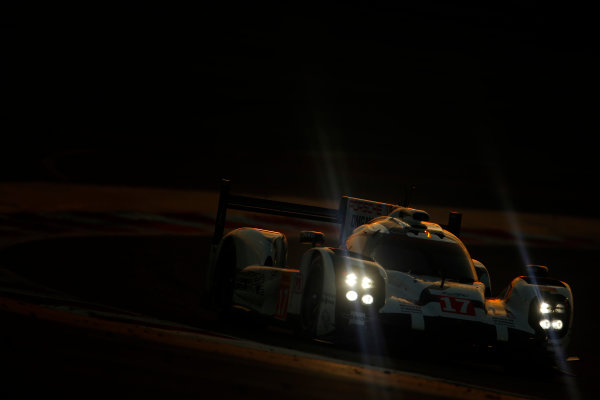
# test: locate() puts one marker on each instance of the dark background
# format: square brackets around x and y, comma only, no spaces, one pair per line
[477,105]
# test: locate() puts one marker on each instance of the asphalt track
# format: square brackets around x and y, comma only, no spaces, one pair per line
[83,348]
[99,302]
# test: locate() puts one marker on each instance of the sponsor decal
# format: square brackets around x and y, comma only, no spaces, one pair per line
[358,220]
[456,305]
[251,282]
[328,299]
[367,207]
[360,212]
[410,309]
[363,211]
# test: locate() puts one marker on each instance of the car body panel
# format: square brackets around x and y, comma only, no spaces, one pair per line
[452,295]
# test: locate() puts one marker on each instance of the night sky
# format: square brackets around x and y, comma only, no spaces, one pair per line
[466,100]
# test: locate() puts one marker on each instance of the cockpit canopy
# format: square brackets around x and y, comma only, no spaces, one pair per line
[436,258]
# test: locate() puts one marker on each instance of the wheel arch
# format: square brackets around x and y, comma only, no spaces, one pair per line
[240,248]
[320,258]
[254,246]
[524,296]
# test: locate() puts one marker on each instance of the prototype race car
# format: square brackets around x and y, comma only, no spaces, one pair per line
[392,269]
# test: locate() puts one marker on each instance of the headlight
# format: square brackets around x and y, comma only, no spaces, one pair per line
[557,324]
[367,283]
[351,279]
[359,286]
[367,299]
[545,308]
[550,313]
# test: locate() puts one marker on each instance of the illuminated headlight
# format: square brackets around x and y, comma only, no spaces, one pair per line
[545,308]
[351,280]
[367,283]
[367,299]
[557,324]
[545,324]
[550,315]
[351,295]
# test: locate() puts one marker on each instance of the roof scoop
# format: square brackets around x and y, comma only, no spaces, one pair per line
[411,216]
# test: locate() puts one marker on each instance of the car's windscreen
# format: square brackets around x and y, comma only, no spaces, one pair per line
[423,257]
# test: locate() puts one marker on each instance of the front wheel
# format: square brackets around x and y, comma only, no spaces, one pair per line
[311,299]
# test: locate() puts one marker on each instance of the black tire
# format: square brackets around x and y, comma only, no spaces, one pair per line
[311,299]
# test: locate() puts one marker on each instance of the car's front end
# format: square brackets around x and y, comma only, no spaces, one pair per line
[433,286]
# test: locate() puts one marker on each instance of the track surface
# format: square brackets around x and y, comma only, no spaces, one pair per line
[83,347]
[153,268]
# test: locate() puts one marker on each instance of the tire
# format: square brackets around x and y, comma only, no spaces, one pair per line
[311,299]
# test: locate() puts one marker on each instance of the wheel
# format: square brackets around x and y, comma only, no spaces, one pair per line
[311,299]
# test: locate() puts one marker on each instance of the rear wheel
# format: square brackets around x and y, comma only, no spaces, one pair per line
[311,299]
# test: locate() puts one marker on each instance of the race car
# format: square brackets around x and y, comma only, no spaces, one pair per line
[393,269]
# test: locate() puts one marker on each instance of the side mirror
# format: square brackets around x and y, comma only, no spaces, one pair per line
[312,237]
[483,276]
[454,223]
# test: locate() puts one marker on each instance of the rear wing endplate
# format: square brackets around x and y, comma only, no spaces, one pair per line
[355,212]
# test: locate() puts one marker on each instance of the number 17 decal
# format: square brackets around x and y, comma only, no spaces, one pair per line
[457,305]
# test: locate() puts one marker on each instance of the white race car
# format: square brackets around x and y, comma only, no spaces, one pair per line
[393,269]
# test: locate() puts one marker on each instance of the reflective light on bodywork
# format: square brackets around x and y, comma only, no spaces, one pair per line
[557,324]
[351,295]
[545,308]
[351,280]
[545,324]
[367,283]
[367,299]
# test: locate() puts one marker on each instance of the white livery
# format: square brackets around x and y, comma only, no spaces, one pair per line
[393,269]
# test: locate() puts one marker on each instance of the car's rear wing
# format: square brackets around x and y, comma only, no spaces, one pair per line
[352,212]
[265,206]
